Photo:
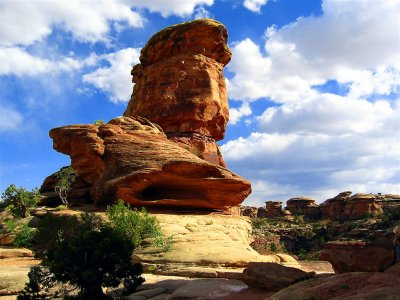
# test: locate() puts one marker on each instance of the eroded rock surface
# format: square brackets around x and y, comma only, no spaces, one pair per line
[132,159]
[354,286]
[358,256]
[207,240]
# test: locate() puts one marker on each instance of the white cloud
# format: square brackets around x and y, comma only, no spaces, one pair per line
[353,42]
[25,22]
[10,119]
[170,7]
[327,114]
[254,5]
[16,61]
[235,114]
[115,79]
[201,13]
[322,148]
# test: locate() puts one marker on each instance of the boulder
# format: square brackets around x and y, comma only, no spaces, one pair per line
[179,83]
[348,256]
[132,159]
[272,276]
[207,289]
[348,286]
[184,93]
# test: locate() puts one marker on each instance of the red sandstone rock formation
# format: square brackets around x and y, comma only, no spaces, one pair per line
[347,207]
[303,206]
[273,209]
[132,159]
[355,286]
[179,85]
[348,256]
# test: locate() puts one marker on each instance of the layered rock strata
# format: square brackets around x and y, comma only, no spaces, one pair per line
[132,159]
[179,84]
[163,151]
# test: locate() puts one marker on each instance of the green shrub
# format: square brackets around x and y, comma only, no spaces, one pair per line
[19,201]
[98,122]
[25,236]
[10,225]
[87,254]
[65,177]
[136,225]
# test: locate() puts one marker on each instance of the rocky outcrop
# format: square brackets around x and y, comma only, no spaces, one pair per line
[179,84]
[303,206]
[273,209]
[347,207]
[358,256]
[354,286]
[272,276]
[132,159]
[206,240]
[163,152]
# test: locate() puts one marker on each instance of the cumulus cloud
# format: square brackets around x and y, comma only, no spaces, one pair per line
[352,42]
[236,114]
[322,148]
[254,5]
[87,21]
[312,142]
[17,61]
[115,80]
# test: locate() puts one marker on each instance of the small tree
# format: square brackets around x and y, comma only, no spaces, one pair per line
[20,201]
[88,255]
[66,176]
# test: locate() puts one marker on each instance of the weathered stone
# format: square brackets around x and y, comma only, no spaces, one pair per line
[249,211]
[347,207]
[15,253]
[184,93]
[202,146]
[272,276]
[273,209]
[207,289]
[358,256]
[133,160]
[208,240]
[7,239]
[261,212]
[348,286]
[204,36]
[179,83]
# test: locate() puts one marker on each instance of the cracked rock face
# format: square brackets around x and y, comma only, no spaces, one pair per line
[132,159]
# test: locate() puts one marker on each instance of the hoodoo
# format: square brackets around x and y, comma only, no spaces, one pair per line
[163,151]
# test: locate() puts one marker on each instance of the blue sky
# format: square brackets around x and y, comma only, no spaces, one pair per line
[313,86]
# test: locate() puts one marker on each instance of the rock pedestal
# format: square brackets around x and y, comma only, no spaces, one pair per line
[141,166]
[179,84]
[163,151]
[207,240]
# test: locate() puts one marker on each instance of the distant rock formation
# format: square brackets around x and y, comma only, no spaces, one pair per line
[342,207]
[132,159]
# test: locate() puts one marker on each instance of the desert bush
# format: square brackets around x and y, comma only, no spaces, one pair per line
[24,236]
[85,253]
[137,225]
[19,201]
